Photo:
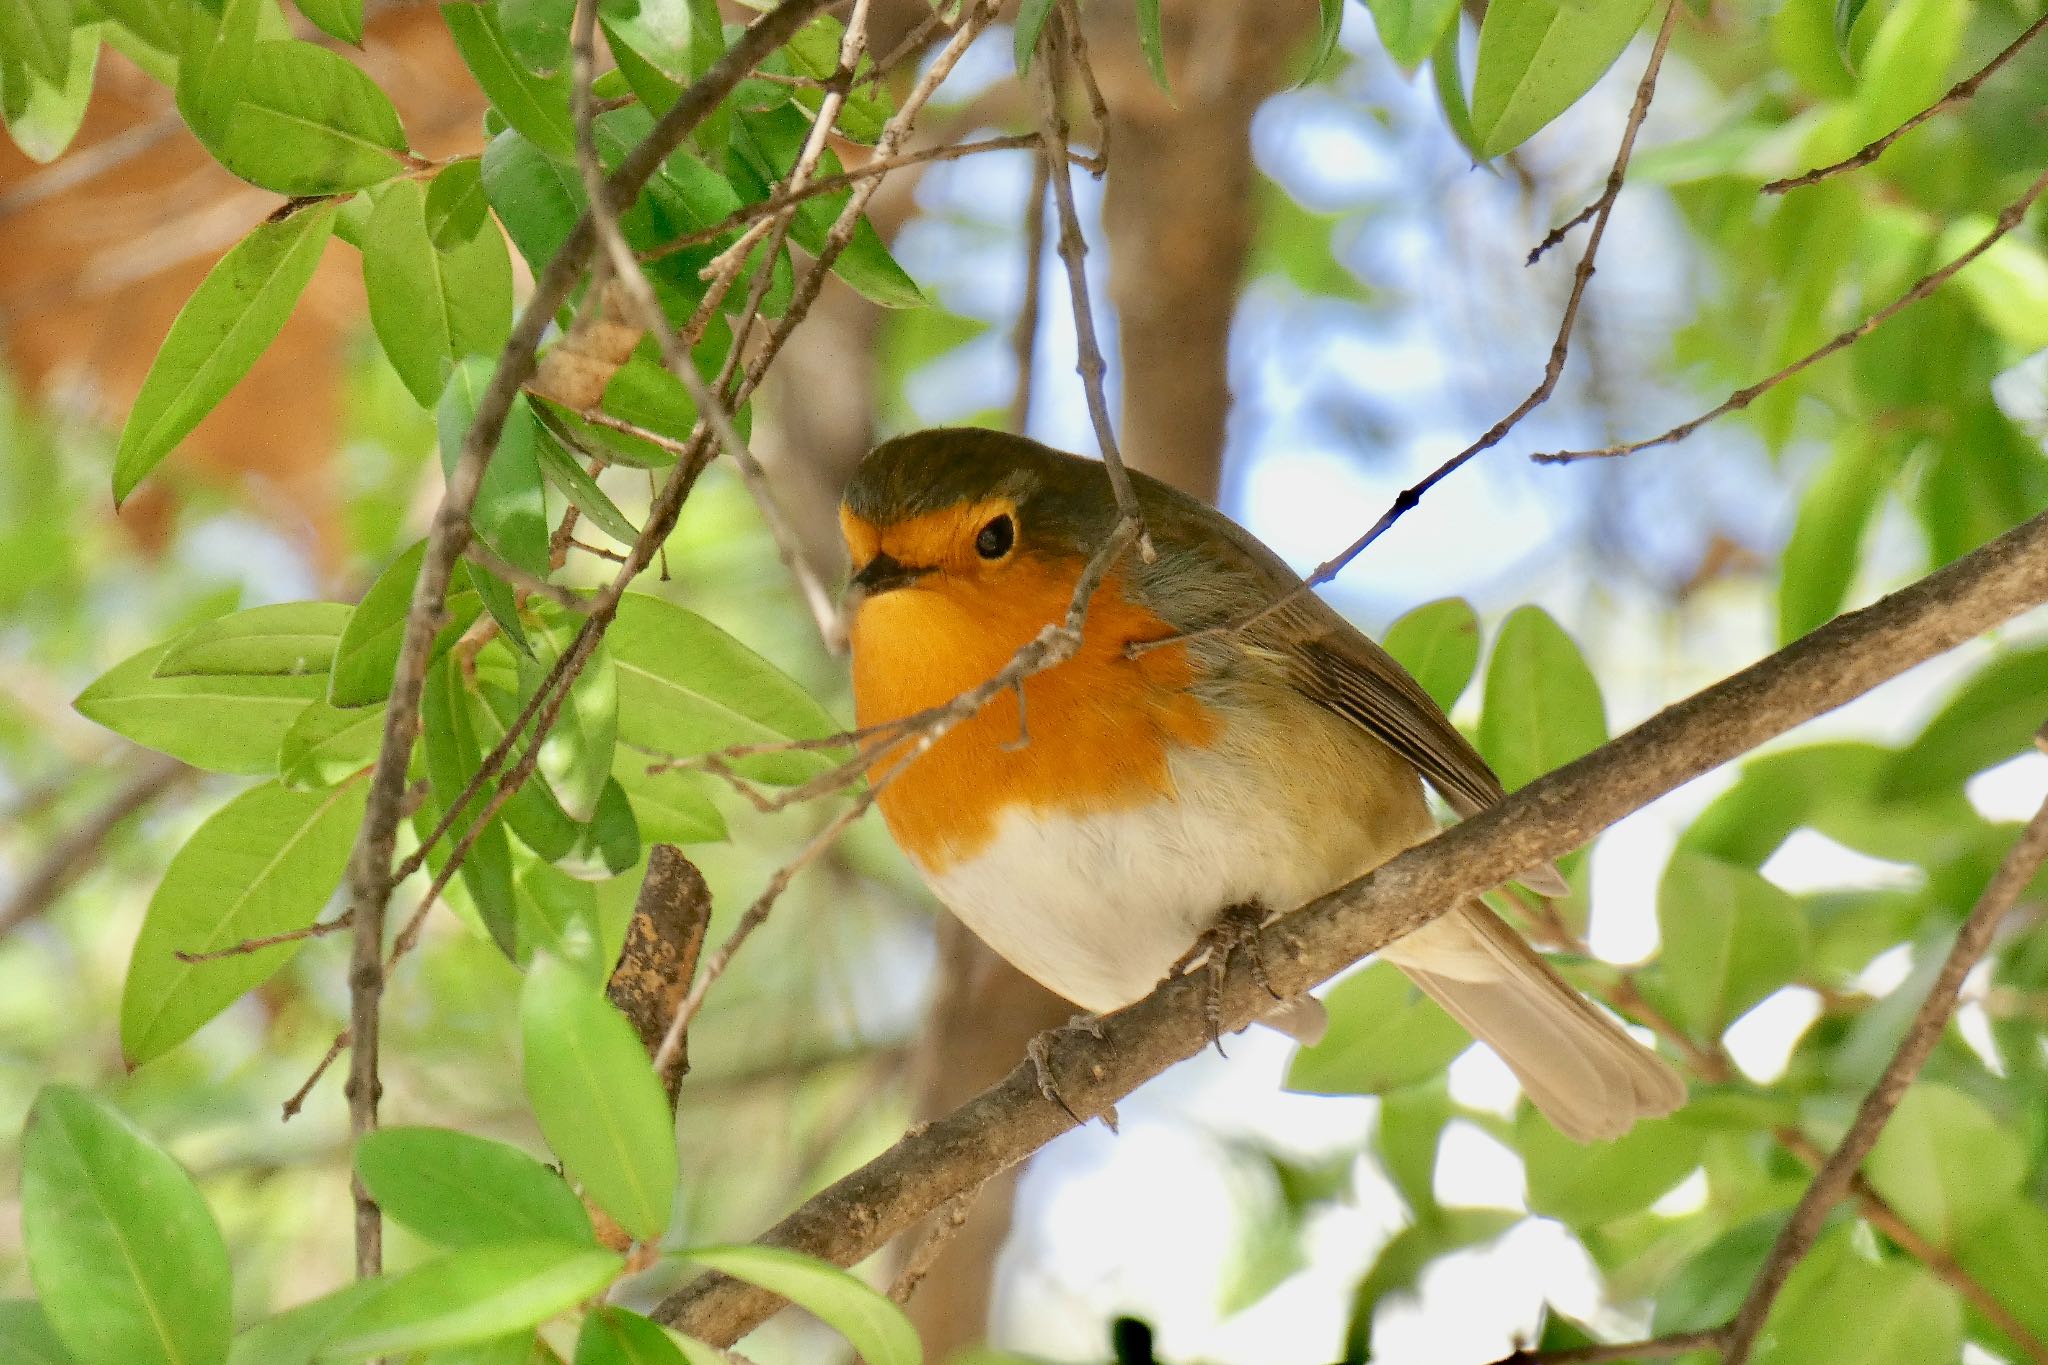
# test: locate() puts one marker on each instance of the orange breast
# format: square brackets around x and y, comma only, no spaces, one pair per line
[1100,725]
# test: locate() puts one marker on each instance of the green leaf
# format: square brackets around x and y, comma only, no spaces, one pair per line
[1030,21]
[671,808]
[536,106]
[456,204]
[432,306]
[366,657]
[472,1296]
[288,640]
[1438,643]
[295,1336]
[618,1336]
[303,120]
[1536,57]
[1151,43]
[216,45]
[1411,29]
[537,197]
[182,717]
[604,845]
[1822,555]
[518,1348]
[341,19]
[1847,12]
[576,756]
[686,687]
[1907,65]
[153,24]
[266,863]
[510,514]
[458,1190]
[558,915]
[1841,1304]
[2007,284]
[875,1327]
[1384,1034]
[1946,1163]
[1329,26]
[1710,1286]
[1543,707]
[1444,73]
[537,31]
[37,33]
[43,116]
[770,142]
[1730,938]
[29,1336]
[126,1258]
[1399,1266]
[1991,718]
[2007,1253]
[573,482]
[329,744]
[230,319]
[1409,1133]
[596,1097]
[1586,1185]
[454,756]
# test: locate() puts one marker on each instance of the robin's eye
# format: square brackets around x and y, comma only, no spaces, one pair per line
[996,538]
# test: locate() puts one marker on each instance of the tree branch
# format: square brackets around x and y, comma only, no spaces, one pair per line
[1835,1176]
[1541,822]
[369,879]
[1957,93]
[2008,218]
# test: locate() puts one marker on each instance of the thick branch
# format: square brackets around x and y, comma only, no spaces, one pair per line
[1550,817]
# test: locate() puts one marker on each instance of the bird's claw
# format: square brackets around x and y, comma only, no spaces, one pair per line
[1237,927]
[1039,1051]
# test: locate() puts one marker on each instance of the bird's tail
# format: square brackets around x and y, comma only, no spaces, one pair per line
[1576,1064]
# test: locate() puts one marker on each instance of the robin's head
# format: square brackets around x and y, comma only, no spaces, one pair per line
[969,509]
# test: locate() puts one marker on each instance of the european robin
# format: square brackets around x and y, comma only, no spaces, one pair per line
[1095,836]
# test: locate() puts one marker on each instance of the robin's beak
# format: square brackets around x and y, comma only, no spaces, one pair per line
[881,574]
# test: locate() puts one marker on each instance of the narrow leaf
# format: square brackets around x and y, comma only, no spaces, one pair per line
[1536,57]
[266,863]
[288,640]
[686,687]
[304,120]
[233,316]
[1151,43]
[510,513]
[535,106]
[43,116]
[458,1190]
[366,656]
[126,1258]
[471,1296]
[327,744]
[875,1327]
[595,1095]
[1438,643]
[454,754]
[1030,21]
[182,716]
[431,306]
[537,31]
[37,33]
[341,19]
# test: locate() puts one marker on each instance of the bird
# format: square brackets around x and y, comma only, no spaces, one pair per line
[1103,819]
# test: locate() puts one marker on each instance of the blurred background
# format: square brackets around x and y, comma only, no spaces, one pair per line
[1312,297]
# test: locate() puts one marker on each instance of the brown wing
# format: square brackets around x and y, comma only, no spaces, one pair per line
[1336,666]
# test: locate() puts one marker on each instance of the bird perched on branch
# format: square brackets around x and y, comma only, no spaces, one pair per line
[1124,810]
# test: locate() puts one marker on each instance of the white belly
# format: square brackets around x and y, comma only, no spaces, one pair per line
[1098,907]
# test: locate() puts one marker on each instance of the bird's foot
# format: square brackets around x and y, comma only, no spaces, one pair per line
[1040,1050]
[1237,927]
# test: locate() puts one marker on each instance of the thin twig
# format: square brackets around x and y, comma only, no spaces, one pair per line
[1055,49]
[1409,498]
[2008,219]
[938,1231]
[71,853]
[1886,1219]
[789,198]
[1834,1178]
[297,1101]
[369,878]
[1024,336]
[566,598]
[318,929]
[1957,93]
